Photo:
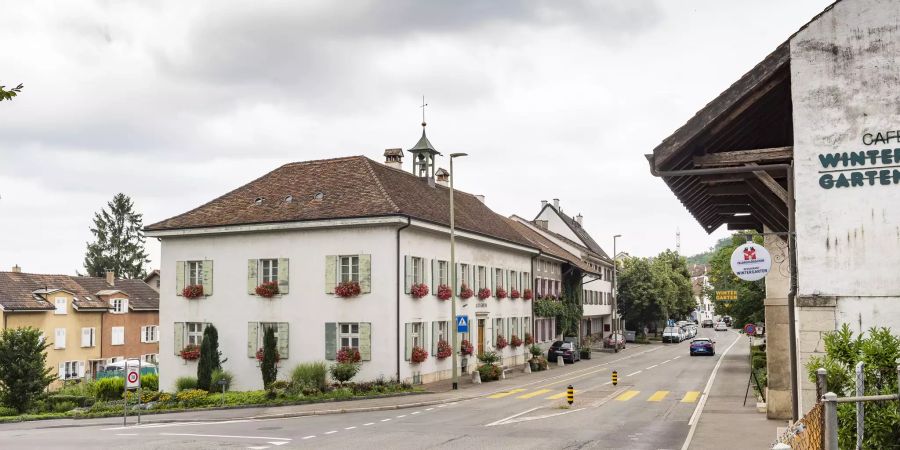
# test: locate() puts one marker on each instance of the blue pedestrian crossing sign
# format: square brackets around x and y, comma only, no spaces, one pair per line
[462,324]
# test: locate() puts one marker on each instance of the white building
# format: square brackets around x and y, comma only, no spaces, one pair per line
[701,288]
[310,226]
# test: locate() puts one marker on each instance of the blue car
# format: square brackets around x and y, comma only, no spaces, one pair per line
[703,346]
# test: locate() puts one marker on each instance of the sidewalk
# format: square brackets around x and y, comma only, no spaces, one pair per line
[725,423]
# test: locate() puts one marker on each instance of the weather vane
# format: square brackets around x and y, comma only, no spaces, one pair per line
[423,110]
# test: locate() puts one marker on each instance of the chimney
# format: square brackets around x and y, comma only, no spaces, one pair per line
[443,177]
[17,269]
[543,204]
[480,198]
[580,219]
[556,203]
[110,277]
[393,157]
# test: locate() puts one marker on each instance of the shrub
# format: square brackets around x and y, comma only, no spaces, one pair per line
[150,382]
[185,383]
[191,397]
[535,351]
[490,372]
[6,411]
[109,388]
[80,401]
[343,372]
[63,407]
[488,358]
[310,375]
[165,397]
[538,364]
[268,365]
[146,396]
[23,372]
[218,375]
[210,357]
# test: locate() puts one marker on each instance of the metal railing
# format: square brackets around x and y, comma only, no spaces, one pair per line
[830,401]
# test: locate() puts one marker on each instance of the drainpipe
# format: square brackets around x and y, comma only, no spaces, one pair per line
[788,169]
[399,289]
[533,295]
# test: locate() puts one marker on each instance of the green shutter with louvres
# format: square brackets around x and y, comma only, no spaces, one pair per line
[179,277]
[178,343]
[408,274]
[457,283]
[207,277]
[252,276]
[408,351]
[434,276]
[365,273]
[330,340]
[284,273]
[330,273]
[284,340]
[365,341]
[434,337]
[252,339]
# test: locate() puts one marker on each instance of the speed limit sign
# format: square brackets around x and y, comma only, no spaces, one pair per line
[132,377]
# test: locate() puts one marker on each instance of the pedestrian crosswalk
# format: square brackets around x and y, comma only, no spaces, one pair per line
[628,395]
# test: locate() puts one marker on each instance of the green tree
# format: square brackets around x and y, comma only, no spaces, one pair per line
[674,284]
[749,307]
[9,94]
[637,286]
[210,358]
[24,374]
[119,241]
[268,365]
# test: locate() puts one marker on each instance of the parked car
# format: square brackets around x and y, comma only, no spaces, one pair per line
[612,341]
[703,346]
[720,326]
[707,323]
[689,331]
[673,334]
[567,349]
[727,320]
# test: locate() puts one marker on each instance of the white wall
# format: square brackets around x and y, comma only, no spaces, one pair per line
[556,225]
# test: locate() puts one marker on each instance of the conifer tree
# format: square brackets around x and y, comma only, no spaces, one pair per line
[270,357]
[210,358]
[119,241]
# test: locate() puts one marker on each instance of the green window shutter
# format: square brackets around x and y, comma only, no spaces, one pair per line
[365,273]
[252,276]
[475,279]
[284,273]
[434,334]
[330,273]
[284,339]
[179,337]
[458,273]
[434,277]
[492,283]
[252,339]
[207,277]
[365,341]
[408,272]
[179,277]
[408,351]
[330,340]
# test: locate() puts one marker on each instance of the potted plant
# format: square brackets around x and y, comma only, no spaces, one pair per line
[418,290]
[514,294]
[466,347]
[444,350]
[529,340]
[585,349]
[418,355]
[484,293]
[527,294]
[348,355]
[192,291]
[515,341]
[347,289]
[268,289]
[190,353]
[501,293]
[465,292]
[444,292]
[501,342]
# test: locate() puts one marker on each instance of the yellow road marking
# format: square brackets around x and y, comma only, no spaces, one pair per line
[690,397]
[534,394]
[627,395]
[658,396]
[559,396]
[504,394]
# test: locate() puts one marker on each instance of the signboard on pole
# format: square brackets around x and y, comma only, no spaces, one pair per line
[726,296]
[132,377]
[750,262]
[462,324]
[750,329]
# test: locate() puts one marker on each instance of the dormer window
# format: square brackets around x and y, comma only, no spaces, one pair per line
[119,305]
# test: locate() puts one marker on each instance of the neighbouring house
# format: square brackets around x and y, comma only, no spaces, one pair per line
[701,287]
[152,280]
[809,138]
[344,252]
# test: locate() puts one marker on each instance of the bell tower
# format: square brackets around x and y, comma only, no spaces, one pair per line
[423,153]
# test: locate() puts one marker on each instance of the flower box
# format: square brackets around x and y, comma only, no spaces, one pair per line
[190,353]
[444,292]
[260,354]
[529,340]
[514,294]
[268,289]
[347,289]
[515,341]
[444,349]
[501,293]
[466,292]
[192,291]
[527,294]
[418,290]
[484,293]
[348,355]
[418,355]
[466,347]
[501,342]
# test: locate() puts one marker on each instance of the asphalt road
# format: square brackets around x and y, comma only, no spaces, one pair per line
[659,389]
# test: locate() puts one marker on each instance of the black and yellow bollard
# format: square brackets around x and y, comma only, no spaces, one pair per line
[615,378]
[570,394]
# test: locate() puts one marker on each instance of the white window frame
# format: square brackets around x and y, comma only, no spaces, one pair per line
[73,366]
[443,273]
[348,268]
[464,276]
[194,272]
[415,335]
[193,331]
[112,336]
[268,270]
[498,279]
[481,273]
[59,339]
[348,335]
[152,358]
[418,270]
[93,340]
[150,334]
[513,280]
[261,335]
[443,332]
[118,305]
[62,306]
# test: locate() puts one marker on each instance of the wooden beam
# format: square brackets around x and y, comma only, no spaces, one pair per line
[739,157]
[723,179]
[770,183]
[728,190]
[737,226]
[733,209]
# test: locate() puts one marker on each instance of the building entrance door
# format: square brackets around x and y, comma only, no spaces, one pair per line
[480,349]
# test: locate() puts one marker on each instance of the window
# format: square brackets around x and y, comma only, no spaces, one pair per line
[118,335]
[152,358]
[265,326]
[349,270]
[119,305]
[195,272]
[60,303]
[498,329]
[513,280]
[349,335]
[464,276]
[418,270]
[498,277]
[443,273]
[150,333]
[60,340]
[70,370]
[482,277]
[268,270]
[415,334]
[194,333]
[443,334]
[88,336]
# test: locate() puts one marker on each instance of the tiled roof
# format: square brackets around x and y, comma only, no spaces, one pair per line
[348,187]
[140,295]
[549,247]
[17,291]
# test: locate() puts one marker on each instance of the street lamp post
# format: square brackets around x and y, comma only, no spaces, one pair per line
[452,269]
[615,311]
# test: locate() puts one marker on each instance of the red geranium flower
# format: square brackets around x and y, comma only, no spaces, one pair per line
[484,293]
[466,347]
[260,354]
[190,353]
[514,294]
[501,293]
[347,289]
[192,291]
[444,292]
[419,290]
[527,294]
[528,339]
[501,342]
[418,355]
[268,289]
[465,292]
[515,341]
[444,349]
[348,355]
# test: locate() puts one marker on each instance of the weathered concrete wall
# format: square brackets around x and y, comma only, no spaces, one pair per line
[778,362]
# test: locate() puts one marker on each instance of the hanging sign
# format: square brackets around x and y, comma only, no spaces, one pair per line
[726,296]
[750,262]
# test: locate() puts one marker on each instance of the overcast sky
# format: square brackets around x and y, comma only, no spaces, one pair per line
[175,103]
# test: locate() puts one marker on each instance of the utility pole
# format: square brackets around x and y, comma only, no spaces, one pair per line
[452,268]
[615,306]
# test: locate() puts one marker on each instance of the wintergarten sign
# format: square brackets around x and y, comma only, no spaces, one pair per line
[864,167]
[750,262]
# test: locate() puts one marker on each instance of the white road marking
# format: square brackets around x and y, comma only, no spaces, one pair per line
[679,356]
[367,424]
[226,436]
[415,412]
[668,360]
[385,420]
[498,422]
[695,418]
[308,437]
[648,368]
[180,424]
[428,409]
[278,443]
[349,428]
[634,373]
[441,406]
[401,416]
[258,448]
[126,434]
[331,432]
